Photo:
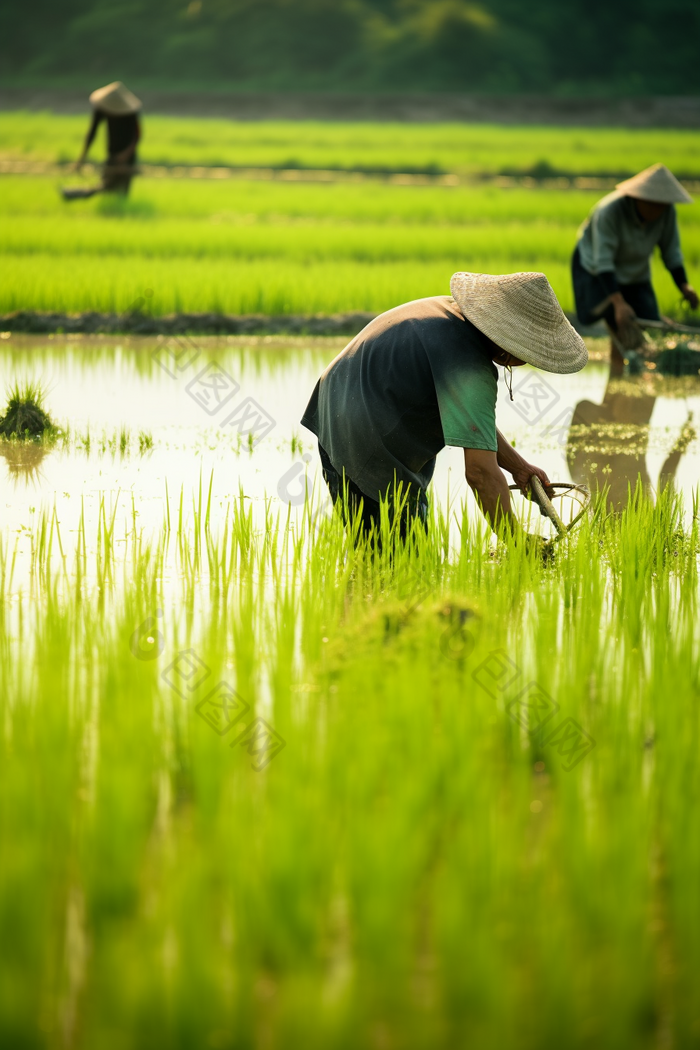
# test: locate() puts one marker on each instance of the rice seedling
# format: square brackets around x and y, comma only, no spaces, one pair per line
[85,441]
[145,442]
[423,863]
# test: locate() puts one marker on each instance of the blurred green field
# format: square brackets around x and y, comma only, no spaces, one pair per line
[267,247]
[460,148]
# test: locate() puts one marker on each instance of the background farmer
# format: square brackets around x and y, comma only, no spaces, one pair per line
[610,267]
[119,107]
[422,376]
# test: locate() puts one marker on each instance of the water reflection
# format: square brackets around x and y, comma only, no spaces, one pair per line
[140,444]
[23,460]
[608,443]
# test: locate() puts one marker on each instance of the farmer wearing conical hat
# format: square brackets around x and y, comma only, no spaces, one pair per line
[422,376]
[119,108]
[610,268]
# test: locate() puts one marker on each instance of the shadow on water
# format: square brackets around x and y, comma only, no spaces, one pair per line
[608,443]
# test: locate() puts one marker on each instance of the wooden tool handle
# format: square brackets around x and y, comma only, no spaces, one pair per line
[667,325]
[546,505]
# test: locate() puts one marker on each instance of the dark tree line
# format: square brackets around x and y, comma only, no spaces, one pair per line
[495,46]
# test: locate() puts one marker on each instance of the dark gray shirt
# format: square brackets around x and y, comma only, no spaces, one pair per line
[417,378]
[614,239]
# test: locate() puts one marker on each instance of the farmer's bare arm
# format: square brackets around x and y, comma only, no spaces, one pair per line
[88,140]
[490,487]
[519,467]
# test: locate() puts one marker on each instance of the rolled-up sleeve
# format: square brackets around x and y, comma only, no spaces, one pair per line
[670,241]
[466,393]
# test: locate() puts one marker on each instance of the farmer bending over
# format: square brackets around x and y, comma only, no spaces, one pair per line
[119,107]
[422,376]
[610,267]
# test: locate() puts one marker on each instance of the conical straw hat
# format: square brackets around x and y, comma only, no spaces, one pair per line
[655,184]
[521,314]
[115,100]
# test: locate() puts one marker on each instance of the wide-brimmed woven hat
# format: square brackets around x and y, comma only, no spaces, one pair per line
[655,184]
[115,99]
[521,314]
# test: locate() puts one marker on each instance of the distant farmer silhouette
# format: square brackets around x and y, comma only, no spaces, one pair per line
[610,267]
[119,107]
[422,376]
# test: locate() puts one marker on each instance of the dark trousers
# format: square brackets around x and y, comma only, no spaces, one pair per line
[116,178]
[367,510]
[589,292]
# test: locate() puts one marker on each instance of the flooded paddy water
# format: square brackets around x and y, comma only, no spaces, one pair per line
[147,422]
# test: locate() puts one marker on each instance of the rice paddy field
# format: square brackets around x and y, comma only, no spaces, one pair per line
[465,149]
[264,245]
[263,785]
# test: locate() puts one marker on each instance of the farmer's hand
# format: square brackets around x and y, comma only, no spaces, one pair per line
[522,474]
[624,314]
[519,468]
[690,295]
[627,331]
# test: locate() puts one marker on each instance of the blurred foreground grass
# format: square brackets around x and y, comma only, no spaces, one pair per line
[414,868]
[248,247]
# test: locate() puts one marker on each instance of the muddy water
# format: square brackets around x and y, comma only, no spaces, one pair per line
[227,411]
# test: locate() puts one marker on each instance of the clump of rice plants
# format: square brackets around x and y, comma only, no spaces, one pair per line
[25,416]
[679,360]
